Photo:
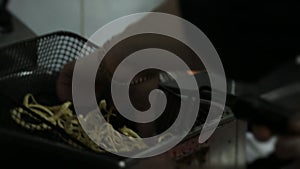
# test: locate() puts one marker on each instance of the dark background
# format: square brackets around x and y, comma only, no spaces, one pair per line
[252,37]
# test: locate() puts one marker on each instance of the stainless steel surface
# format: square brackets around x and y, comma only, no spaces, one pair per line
[298,60]
[227,147]
[224,150]
[20,32]
[282,92]
[241,129]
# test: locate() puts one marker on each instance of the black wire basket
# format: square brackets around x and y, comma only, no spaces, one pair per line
[32,66]
[39,60]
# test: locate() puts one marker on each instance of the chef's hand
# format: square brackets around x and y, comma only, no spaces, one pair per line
[64,83]
[139,91]
[287,146]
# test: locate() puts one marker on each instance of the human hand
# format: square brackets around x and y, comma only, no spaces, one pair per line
[287,147]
